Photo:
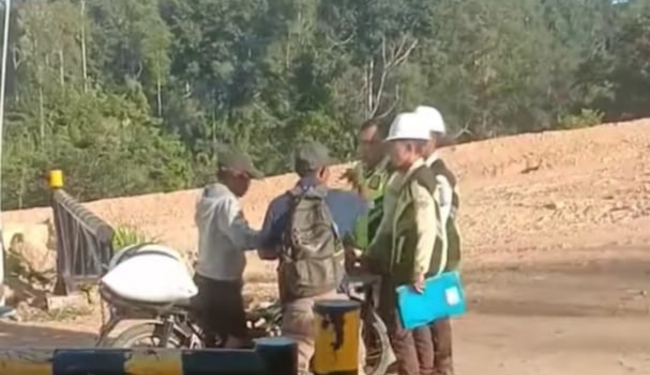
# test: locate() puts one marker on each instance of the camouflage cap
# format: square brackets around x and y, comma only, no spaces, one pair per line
[236,160]
[310,157]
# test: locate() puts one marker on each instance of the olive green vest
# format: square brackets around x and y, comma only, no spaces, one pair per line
[374,181]
[405,236]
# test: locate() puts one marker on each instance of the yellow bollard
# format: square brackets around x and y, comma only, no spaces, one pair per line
[337,337]
[56,179]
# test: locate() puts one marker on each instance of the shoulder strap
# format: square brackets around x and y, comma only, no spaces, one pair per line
[425,178]
[321,193]
[440,168]
[295,192]
[298,194]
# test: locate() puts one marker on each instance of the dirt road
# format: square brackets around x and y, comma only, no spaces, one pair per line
[587,314]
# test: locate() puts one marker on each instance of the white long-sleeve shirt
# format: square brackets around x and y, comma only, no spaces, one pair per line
[224,235]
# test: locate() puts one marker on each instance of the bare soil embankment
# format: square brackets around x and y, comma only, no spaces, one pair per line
[556,253]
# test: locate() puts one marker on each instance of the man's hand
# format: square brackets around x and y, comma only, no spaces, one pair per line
[352,257]
[418,283]
[351,175]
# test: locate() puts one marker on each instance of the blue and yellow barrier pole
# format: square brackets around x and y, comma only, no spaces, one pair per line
[273,356]
[338,323]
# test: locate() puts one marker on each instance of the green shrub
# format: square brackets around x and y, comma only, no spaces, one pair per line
[126,235]
[586,118]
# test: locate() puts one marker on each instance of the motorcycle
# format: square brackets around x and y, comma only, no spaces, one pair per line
[174,325]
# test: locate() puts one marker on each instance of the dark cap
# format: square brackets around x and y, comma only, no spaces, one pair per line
[235,160]
[310,157]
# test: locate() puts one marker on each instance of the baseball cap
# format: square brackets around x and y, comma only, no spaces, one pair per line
[235,160]
[408,125]
[311,156]
[432,118]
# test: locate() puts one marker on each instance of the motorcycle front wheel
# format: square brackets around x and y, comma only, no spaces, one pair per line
[147,335]
[379,353]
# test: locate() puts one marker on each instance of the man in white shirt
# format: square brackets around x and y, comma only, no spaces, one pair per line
[224,236]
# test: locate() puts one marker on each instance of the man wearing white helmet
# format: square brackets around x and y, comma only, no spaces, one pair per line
[440,335]
[401,251]
[432,119]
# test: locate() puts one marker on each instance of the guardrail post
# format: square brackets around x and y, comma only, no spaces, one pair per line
[337,337]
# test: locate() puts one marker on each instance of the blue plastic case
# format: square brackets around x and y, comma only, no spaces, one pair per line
[443,296]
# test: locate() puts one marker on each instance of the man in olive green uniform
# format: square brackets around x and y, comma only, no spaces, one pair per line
[369,177]
[402,250]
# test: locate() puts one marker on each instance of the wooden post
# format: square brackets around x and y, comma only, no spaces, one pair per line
[337,337]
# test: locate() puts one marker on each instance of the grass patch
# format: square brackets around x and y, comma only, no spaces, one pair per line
[66,314]
[125,235]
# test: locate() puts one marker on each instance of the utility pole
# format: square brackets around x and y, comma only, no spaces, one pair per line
[3,84]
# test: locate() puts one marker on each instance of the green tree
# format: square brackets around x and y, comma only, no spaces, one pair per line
[131,42]
[130,96]
[630,75]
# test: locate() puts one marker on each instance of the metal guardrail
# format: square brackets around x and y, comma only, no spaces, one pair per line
[83,240]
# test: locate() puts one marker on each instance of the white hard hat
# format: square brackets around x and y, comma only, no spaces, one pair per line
[408,126]
[431,118]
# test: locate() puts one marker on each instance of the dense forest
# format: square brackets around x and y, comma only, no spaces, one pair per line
[136,96]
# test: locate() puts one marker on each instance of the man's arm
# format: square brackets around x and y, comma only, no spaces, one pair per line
[359,205]
[269,237]
[237,228]
[388,203]
[354,176]
[426,222]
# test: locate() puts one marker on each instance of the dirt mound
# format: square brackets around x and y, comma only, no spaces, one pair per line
[517,192]
[552,151]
